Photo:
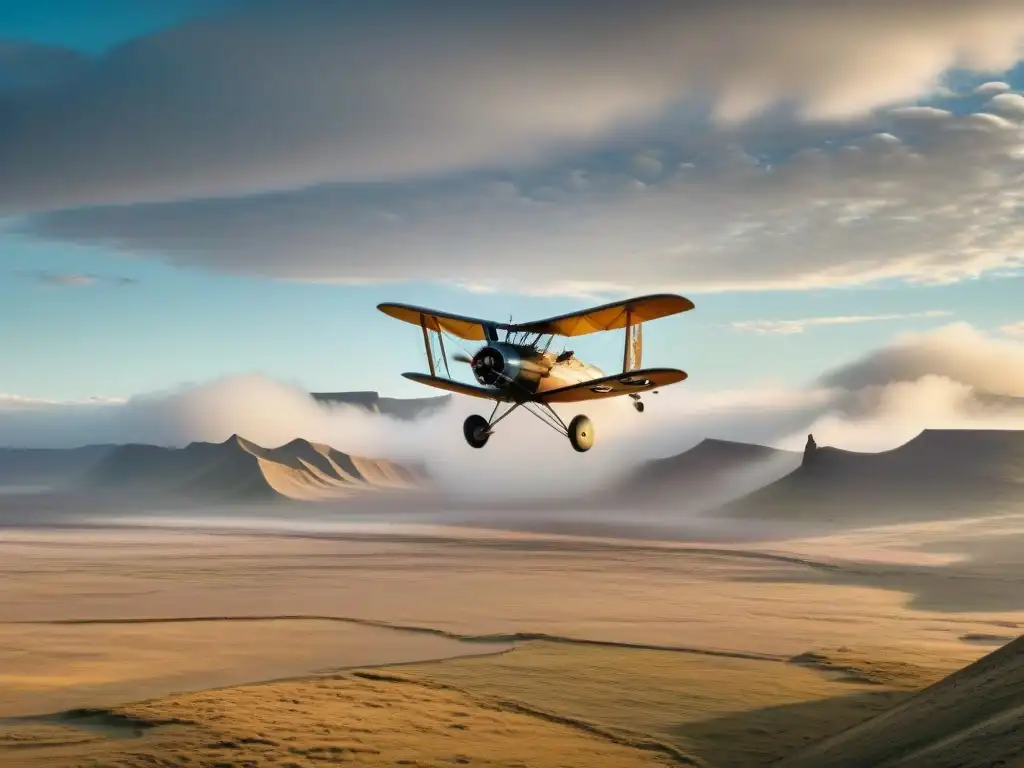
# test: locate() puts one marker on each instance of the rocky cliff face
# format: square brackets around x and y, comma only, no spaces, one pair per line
[939,475]
[810,452]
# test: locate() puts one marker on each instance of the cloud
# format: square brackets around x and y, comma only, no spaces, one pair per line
[282,95]
[70,279]
[799,326]
[363,142]
[1013,329]
[9,402]
[34,67]
[1010,105]
[920,195]
[884,417]
[992,87]
[55,280]
[957,352]
[948,378]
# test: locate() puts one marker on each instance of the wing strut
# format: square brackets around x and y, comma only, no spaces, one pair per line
[632,345]
[629,334]
[426,343]
[444,355]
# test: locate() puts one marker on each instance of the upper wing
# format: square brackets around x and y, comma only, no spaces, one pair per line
[609,317]
[455,386]
[472,328]
[613,386]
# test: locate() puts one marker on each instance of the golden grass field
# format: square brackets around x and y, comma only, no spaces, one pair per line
[546,703]
[47,668]
[337,720]
[622,654]
[718,710]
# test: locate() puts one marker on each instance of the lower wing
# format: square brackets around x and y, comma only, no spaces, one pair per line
[614,386]
[454,386]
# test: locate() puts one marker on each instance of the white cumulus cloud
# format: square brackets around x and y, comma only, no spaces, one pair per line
[801,325]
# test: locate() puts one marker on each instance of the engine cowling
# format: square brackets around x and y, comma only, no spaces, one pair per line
[496,365]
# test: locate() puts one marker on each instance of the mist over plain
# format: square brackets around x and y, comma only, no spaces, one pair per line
[952,377]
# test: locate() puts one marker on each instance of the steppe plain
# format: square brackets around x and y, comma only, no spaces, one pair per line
[167,642]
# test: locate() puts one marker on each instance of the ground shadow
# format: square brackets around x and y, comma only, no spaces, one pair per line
[760,737]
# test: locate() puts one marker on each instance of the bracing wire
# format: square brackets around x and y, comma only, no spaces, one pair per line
[545,418]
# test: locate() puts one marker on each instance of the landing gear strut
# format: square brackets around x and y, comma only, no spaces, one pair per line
[477,430]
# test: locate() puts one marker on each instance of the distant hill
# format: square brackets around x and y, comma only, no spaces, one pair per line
[240,470]
[940,474]
[972,719]
[711,473]
[400,408]
[61,467]
[48,467]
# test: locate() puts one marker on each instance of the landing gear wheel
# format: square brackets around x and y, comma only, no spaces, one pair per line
[639,406]
[477,430]
[581,433]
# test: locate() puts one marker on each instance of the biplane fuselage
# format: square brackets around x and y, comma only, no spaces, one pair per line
[520,369]
[524,371]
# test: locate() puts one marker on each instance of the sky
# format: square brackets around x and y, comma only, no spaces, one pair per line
[200,189]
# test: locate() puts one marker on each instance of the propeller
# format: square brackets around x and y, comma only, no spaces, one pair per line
[487,364]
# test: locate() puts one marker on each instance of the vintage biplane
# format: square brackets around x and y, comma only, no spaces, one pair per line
[519,369]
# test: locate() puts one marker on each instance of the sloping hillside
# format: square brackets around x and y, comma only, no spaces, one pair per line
[972,719]
[61,467]
[940,474]
[239,469]
[710,473]
[48,467]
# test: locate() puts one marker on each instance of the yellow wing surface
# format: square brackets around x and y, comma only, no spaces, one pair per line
[614,386]
[596,389]
[455,386]
[471,328]
[609,317]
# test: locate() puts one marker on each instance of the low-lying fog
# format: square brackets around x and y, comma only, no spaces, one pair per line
[951,377]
